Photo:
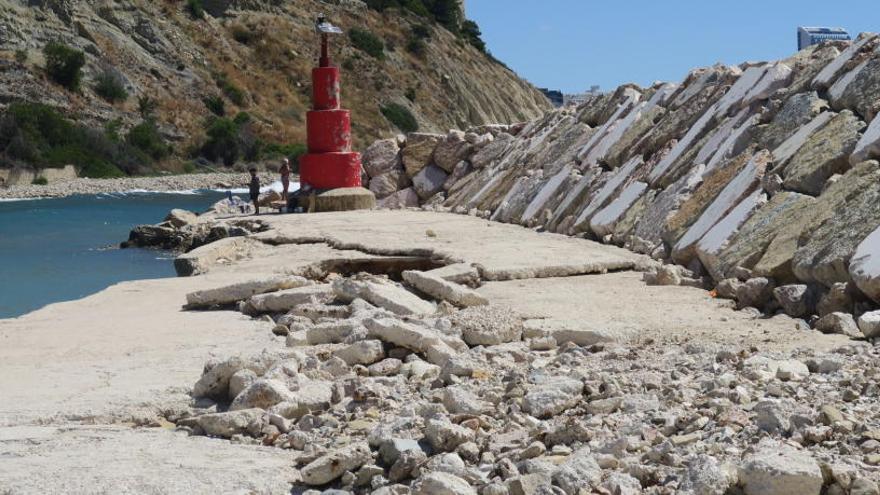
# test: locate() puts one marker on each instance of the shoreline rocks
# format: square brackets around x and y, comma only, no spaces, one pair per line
[167,183]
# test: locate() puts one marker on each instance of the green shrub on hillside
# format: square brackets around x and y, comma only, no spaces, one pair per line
[243,34]
[40,181]
[234,93]
[415,43]
[471,33]
[215,105]
[64,64]
[195,9]
[147,106]
[111,130]
[146,137]
[21,56]
[231,139]
[367,42]
[110,85]
[292,152]
[400,117]
[222,141]
[38,135]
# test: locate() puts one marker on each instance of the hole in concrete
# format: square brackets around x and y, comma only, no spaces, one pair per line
[392,266]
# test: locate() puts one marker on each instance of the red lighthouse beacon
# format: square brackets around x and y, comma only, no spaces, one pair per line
[330,164]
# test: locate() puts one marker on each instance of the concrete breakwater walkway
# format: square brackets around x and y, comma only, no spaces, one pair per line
[92,388]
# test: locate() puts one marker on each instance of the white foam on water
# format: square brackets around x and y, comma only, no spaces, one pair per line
[275,186]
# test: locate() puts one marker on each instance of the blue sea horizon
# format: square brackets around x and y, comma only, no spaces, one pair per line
[63,249]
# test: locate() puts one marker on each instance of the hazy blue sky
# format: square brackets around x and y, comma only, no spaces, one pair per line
[572,44]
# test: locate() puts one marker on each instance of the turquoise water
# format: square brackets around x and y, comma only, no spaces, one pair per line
[63,249]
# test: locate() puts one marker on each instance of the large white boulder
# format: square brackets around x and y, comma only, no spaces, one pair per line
[869,145]
[780,470]
[864,267]
[429,181]
[579,471]
[380,157]
[439,483]
[262,394]
[869,324]
[365,352]
[331,466]
[231,423]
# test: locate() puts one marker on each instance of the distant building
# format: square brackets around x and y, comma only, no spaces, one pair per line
[809,36]
[579,98]
[554,95]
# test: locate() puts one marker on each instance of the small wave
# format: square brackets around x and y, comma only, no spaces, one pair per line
[275,186]
[10,200]
[132,192]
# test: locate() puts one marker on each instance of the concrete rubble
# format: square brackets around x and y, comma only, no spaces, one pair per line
[471,400]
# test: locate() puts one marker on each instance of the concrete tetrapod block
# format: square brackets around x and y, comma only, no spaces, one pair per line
[342,199]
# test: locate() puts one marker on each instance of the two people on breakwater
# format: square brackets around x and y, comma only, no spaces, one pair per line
[254,185]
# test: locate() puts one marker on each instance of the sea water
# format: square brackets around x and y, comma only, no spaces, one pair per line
[67,248]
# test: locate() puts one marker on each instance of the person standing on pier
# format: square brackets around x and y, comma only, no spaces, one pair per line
[285,177]
[255,190]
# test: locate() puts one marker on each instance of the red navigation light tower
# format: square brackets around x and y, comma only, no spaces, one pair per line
[330,163]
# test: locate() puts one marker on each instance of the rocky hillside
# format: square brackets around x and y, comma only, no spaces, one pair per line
[174,60]
[761,179]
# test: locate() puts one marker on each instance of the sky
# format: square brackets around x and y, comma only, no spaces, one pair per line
[571,45]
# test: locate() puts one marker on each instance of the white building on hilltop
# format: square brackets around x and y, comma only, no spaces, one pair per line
[809,36]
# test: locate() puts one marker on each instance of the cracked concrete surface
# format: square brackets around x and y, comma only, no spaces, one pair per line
[84,382]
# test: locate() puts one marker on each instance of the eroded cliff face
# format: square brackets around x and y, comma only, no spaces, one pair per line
[264,48]
[755,177]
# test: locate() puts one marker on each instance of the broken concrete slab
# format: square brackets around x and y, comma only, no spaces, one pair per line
[829,74]
[805,218]
[383,294]
[285,300]
[739,187]
[459,273]
[783,153]
[442,290]
[430,343]
[201,259]
[869,145]
[747,248]
[823,154]
[798,111]
[617,180]
[711,245]
[604,221]
[826,254]
[230,294]
[864,267]
[859,90]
